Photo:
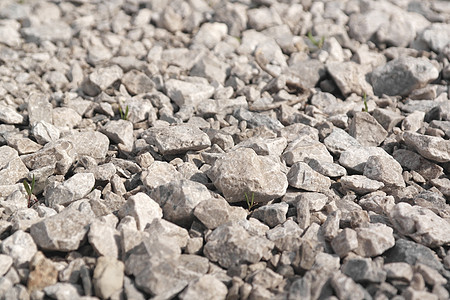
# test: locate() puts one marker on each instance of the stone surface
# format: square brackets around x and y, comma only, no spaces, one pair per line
[302,176]
[70,190]
[243,171]
[232,244]
[63,232]
[272,214]
[360,184]
[177,139]
[178,200]
[420,224]
[403,75]
[433,148]
[108,276]
[384,169]
[142,208]
[366,130]
[374,239]
[207,286]
[20,247]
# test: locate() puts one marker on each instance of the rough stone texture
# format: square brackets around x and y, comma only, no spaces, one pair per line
[63,232]
[350,77]
[384,169]
[366,130]
[226,100]
[232,244]
[243,171]
[360,184]
[403,75]
[272,214]
[179,198]
[142,208]
[75,188]
[302,176]
[20,247]
[177,139]
[108,276]
[207,286]
[421,224]
[374,239]
[431,147]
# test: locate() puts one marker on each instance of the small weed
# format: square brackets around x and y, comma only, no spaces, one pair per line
[366,109]
[250,203]
[30,192]
[317,43]
[124,115]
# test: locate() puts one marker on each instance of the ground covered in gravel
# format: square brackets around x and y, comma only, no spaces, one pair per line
[207,149]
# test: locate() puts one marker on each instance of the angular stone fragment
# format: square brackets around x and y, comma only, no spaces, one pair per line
[210,68]
[20,247]
[301,149]
[90,143]
[326,169]
[421,224]
[119,131]
[8,115]
[212,212]
[302,176]
[243,172]
[64,232]
[74,188]
[360,184]
[374,239]
[339,141]
[187,93]
[108,276]
[159,172]
[431,147]
[411,253]
[232,244]
[403,75]
[210,34]
[286,237]
[6,262]
[137,82]
[387,118]
[177,139]
[207,286]
[350,77]
[272,214]
[179,198]
[415,162]
[165,229]
[104,239]
[355,158]
[43,273]
[63,290]
[345,242]
[101,79]
[54,32]
[366,130]
[398,271]
[436,36]
[363,270]
[65,118]
[12,169]
[142,208]
[386,170]
[346,288]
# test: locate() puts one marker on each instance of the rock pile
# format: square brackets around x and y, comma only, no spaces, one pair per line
[251,149]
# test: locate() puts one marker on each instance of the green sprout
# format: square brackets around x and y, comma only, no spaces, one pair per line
[250,203]
[317,43]
[366,109]
[124,115]
[30,190]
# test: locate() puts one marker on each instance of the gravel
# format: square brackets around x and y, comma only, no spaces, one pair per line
[224,149]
